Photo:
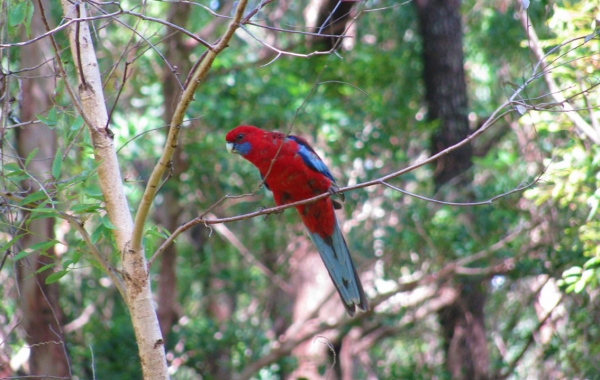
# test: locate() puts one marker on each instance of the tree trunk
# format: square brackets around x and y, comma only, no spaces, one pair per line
[42,316]
[446,97]
[309,278]
[168,212]
[329,17]
[137,292]
[445,86]
[463,328]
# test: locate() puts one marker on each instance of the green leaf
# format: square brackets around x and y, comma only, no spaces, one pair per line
[574,271]
[156,233]
[29,16]
[50,118]
[24,253]
[571,280]
[85,208]
[107,223]
[77,123]
[57,164]
[33,197]
[12,167]
[66,263]
[579,286]
[12,241]
[93,192]
[594,262]
[76,256]
[30,156]
[17,14]
[43,246]
[56,276]
[98,232]
[47,266]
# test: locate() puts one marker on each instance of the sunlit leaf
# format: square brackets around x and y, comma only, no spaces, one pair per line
[57,163]
[56,276]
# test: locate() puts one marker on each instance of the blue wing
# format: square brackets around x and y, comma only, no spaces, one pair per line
[313,161]
[334,253]
[311,158]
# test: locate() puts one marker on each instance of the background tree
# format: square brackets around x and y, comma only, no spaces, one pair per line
[462,322]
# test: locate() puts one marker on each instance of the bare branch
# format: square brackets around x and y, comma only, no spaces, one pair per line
[534,44]
[196,76]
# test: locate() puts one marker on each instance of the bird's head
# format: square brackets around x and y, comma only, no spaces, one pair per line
[238,140]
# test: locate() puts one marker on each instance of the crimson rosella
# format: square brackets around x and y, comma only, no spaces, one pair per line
[296,174]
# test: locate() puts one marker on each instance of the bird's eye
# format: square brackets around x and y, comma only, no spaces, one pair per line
[239,137]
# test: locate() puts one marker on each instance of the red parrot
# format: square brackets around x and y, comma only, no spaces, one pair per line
[297,174]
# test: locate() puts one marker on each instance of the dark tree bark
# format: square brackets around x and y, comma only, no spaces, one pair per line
[445,86]
[446,97]
[464,334]
[329,16]
[42,316]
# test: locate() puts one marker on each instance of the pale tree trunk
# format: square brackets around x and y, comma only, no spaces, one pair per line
[128,235]
[138,294]
[42,316]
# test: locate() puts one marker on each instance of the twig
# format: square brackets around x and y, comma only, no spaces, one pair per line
[530,340]
[172,138]
[496,115]
[247,255]
[534,44]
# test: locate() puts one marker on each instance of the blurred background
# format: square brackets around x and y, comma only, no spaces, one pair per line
[504,289]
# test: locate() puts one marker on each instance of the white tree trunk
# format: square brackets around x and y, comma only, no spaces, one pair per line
[138,294]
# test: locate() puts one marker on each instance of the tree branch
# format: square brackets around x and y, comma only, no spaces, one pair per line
[172,138]
[534,44]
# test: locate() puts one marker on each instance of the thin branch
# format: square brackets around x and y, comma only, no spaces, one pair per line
[283,52]
[247,255]
[59,62]
[51,32]
[292,31]
[176,122]
[495,116]
[95,252]
[170,25]
[469,204]
[534,44]
[530,340]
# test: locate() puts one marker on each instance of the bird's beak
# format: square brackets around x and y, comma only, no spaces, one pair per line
[230,148]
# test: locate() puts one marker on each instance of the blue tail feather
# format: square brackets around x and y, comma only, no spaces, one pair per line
[334,253]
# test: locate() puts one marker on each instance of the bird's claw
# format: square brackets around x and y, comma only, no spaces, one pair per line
[334,190]
[263,208]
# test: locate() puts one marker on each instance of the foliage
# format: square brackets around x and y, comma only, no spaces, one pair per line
[363,111]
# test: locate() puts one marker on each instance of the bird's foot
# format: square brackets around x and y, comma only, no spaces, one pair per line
[263,208]
[335,191]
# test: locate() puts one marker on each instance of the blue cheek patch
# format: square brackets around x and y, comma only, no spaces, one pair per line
[243,148]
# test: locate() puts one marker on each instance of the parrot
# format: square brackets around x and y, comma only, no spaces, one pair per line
[293,171]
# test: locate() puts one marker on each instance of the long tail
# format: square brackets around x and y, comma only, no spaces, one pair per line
[335,255]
